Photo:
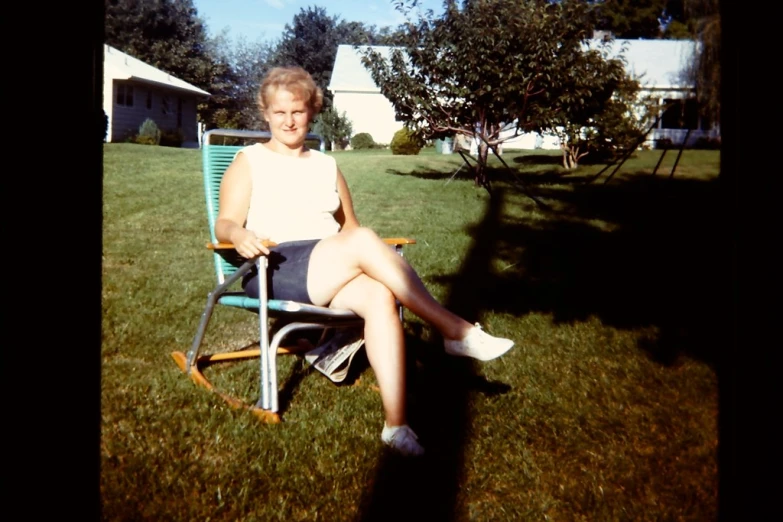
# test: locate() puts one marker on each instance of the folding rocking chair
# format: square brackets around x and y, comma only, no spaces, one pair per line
[219,147]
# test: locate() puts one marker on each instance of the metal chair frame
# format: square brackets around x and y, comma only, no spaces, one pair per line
[229,269]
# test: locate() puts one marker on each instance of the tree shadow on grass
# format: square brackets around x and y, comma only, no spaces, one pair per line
[664,263]
[527,160]
[458,172]
[636,253]
[498,175]
[639,252]
[439,386]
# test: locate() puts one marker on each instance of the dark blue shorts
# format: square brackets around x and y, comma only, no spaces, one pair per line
[287,272]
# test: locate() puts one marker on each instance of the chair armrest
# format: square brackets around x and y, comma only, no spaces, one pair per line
[398,241]
[267,243]
[230,246]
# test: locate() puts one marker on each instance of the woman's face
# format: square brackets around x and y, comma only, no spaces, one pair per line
[288,117]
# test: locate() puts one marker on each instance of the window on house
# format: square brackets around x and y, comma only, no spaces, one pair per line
[149,100]
[179,112]
[125,95]
[672,116]
[691,114]
[165,106]
[680,114]
[706,123]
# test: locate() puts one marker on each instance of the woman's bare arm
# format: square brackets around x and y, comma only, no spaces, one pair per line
[345,214]
[233,206]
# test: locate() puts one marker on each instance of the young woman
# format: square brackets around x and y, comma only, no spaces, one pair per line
[297,197]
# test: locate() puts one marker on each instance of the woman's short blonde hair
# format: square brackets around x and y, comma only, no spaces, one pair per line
[295,80]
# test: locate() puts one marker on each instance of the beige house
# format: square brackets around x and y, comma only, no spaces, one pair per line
[134,91]
[658,64]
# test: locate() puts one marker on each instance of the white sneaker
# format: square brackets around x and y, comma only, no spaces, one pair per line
[402,439]
[479,345]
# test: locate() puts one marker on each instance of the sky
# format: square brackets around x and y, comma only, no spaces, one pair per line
[266,19]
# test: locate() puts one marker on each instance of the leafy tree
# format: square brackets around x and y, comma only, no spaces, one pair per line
[167,34]
[676,20]
[334,127]
[221,109]
[676,30]
[705,71]
[386,35]
[488,64]
[599,117]
[311,42]
[617,127]
[634,19]
[249,63]
[630,18]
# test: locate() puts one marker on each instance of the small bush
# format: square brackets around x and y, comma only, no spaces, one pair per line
[149,133]
[406,143]
[604,151]
[145,140]
[663,143]
[172,138]
[707,143]
[363,140]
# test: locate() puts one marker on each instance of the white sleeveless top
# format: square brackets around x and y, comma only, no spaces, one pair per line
[292,198]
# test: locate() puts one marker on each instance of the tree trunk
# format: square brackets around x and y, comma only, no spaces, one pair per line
[481,167]
[571,156]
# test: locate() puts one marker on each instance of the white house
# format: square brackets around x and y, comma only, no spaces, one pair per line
[658,64]
[134,91]
[356,94]
[660,67]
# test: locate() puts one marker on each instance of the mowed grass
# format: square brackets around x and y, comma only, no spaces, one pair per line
[606,409]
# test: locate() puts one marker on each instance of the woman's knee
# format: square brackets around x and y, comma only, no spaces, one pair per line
[363,236]
[380,295]
[365,296]
[376,298]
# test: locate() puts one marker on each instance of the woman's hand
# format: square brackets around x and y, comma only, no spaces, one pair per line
[247,243]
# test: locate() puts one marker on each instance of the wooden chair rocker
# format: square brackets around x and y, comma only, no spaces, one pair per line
[219,146]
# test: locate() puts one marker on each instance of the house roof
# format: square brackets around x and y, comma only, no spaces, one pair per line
[120,66]
[659,63]
[348,73]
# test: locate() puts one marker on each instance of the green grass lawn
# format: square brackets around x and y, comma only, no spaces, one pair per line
[606,409]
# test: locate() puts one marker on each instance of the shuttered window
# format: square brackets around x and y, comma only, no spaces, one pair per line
[125,95]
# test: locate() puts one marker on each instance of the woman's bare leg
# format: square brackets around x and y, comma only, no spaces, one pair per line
[383,339]
[339,259]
